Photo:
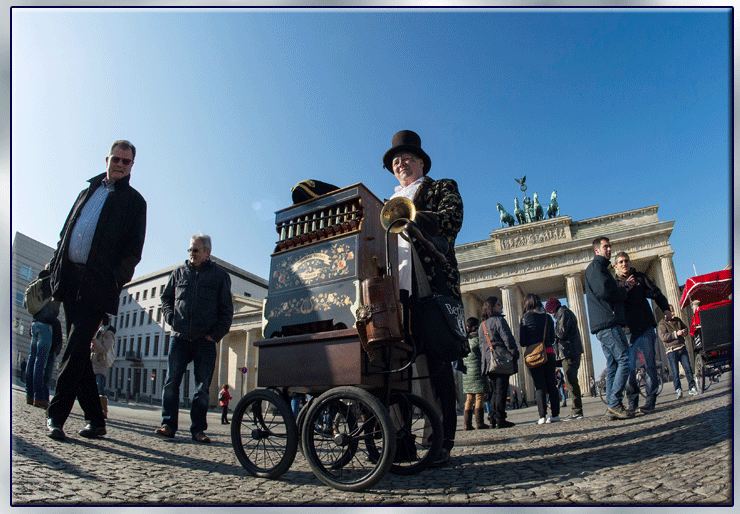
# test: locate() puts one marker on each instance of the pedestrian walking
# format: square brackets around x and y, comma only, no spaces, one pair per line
[475,385]
[223,401]
[672,331]
[196,303]
[99,248]
[495,339]
[102,357]
[568,352]
[46,344]
[536,326]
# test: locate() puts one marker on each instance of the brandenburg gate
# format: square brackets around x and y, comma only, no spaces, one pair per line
[549,257]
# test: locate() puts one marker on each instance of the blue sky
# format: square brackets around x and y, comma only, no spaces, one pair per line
[617,109]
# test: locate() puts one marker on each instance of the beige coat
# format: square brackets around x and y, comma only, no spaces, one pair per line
[102,344]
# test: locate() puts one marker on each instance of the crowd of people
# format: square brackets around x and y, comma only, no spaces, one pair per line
[102,240]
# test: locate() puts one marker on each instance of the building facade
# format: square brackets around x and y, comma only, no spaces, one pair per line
[29,258]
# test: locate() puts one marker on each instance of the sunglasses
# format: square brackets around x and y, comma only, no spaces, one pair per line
[116,160]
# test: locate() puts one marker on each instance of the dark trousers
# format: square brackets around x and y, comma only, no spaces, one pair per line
[570,370]
[224,413]
[76,379]
[500,385]
[443,385]
[545,385]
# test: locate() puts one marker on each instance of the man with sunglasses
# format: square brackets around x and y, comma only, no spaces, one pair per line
[99,247]
[196,303]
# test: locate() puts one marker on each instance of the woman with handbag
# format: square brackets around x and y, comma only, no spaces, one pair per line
[475,386]
[102,357]
[499,356]
[537,335]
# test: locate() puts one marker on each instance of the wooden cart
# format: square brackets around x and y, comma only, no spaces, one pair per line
[362,420]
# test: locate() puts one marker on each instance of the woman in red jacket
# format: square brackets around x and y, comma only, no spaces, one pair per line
[223,401]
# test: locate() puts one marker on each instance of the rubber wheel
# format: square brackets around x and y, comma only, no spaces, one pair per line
[331,433]
[418,434]
[264,434]
[602,393]
[700,372]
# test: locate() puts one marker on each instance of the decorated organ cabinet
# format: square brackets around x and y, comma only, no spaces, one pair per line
[326,247]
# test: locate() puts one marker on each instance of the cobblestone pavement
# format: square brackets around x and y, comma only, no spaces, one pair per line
[681,454]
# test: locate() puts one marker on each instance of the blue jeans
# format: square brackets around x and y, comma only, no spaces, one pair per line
[36,387]
[617,353]
[202,353]
[643,343]
[673,359]
[100,380]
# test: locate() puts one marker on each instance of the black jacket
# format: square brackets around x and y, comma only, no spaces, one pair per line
[532,328]
[197,302]
[115,251]
[603,297]
[567,335]
[637,309]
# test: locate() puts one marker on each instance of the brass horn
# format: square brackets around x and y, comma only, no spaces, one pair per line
[396,209]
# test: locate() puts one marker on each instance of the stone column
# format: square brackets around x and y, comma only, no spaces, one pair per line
[472,305]
[577,304]
[251,359]
[673,294]
[511,300]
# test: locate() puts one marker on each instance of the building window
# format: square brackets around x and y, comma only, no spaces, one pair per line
[145,292]
[166,345]
[143,379]
[133,319]
[151,315]
[118,353]
[154,382]
[138,345]
[137,296]
[156,345]
[127,319]
[19,297]
[154,291]
[141,318]
[26,272]
[159,314]
[123,300]
[161,289]
[146,346]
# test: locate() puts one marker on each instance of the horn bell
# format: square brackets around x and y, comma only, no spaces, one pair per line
[396,209]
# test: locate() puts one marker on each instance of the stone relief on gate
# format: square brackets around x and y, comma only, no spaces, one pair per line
[533,238]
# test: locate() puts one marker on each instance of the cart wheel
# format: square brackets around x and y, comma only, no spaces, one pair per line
[700,372]
[331,432]
[264,434]
[642,384]
[418,434]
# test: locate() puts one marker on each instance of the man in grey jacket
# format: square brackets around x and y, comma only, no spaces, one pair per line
[605,300]
[196,303]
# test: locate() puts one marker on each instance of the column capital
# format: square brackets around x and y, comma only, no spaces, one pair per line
[665,256]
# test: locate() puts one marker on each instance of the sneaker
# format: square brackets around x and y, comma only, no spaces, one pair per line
[679,394]
[553,419]
[693,391]
[574,416]
[619,412]
[541,421]
[92,432]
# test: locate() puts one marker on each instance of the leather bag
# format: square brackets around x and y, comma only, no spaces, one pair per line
[379,316]
[534,354]
[502,361]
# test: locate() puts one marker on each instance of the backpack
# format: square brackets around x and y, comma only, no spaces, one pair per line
[222,396]
[38,294]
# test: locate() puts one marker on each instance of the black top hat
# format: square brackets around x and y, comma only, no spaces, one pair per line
[406,141]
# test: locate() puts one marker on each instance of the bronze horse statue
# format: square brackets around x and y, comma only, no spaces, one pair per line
[505,216]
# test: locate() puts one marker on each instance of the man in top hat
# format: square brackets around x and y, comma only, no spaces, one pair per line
[439,215]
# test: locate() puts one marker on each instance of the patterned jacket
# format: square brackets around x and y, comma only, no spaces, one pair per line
[440,214]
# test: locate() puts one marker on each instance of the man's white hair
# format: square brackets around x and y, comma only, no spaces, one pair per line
[206,240]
